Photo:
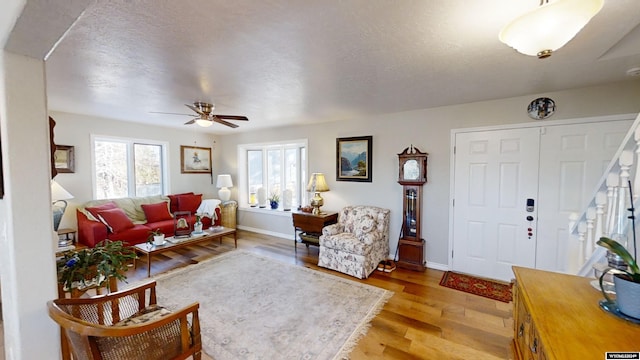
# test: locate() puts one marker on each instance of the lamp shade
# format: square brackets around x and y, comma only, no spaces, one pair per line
[58,192]
[549,27]
[317,183]
[224,180]
[204,122]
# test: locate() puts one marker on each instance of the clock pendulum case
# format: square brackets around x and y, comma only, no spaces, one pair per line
[412,175]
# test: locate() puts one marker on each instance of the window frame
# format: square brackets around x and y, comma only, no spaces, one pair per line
[130,142]
[301,171]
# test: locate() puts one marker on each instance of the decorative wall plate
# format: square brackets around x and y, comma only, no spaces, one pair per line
[541,108]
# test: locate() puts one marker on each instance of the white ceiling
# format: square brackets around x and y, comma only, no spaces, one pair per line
[283,62]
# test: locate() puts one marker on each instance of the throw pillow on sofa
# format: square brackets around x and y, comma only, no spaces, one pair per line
[156,212]
[189,202]
[95,209]
[115,219]
[173,201]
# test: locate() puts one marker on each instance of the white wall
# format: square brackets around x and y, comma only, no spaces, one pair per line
[76,130]
[27,265]
[430,131]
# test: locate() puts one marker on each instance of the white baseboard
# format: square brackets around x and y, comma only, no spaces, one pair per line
[437,266]
[266,232]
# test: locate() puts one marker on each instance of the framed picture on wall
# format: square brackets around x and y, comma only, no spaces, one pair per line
[64,159]
[354,158]
[195,160]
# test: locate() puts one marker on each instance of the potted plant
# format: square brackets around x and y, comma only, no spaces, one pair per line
[274,199]
[626,281]
[197,226]
[156,237]
[94,266]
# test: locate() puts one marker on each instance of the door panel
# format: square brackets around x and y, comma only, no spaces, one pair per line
[572,160]
[495,172]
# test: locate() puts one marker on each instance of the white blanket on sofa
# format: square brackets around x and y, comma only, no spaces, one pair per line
[207,208]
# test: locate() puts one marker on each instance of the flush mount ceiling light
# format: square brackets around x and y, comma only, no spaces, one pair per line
[549,27]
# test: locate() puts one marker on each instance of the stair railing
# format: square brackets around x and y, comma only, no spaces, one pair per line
[606,213]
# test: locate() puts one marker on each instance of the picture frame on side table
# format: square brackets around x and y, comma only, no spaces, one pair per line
[195,160]
[354,158]
[64,159]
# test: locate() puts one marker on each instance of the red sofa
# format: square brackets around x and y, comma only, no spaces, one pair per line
[132,219]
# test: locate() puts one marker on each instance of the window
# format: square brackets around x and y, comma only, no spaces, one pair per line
[274,166]
[127,167]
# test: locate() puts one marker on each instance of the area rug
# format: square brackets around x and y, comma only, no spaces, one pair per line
[477,286]
[253,307]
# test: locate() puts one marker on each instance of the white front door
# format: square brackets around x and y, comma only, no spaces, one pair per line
[495,172]
[572,160]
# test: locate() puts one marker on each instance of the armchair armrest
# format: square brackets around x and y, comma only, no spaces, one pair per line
[332,229]
[90,232]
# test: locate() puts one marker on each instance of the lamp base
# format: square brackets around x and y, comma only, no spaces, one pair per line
[316,203]
[224,194]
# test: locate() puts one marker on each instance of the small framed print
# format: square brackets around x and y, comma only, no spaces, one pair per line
[195,160]
[64,159]
[354,158]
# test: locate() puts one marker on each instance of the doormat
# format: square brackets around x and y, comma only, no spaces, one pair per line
[477,286]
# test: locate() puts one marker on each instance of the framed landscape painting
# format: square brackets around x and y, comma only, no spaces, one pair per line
[195,160]
[353,158]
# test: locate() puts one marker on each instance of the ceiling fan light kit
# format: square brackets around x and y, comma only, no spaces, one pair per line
[205,118]
[549,27]
[204,122]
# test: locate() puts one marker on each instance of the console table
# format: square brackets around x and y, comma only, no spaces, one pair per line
[557,316]
[308,227]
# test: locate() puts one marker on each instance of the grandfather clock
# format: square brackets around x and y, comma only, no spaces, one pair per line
[412,175]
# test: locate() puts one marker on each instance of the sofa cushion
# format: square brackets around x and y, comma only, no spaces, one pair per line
[156,212]
[115,219]
[189,202]
[173,201]
[138,234]
[150,313]
[93,211]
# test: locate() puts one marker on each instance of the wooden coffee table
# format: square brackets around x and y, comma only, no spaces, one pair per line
[171,244]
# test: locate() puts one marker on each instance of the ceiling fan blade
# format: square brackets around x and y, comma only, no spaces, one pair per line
[232,117]
[195,109]
[220,121]
[192,121]
[168,113]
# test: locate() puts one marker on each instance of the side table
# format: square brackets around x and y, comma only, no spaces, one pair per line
[308,227]
[69,237]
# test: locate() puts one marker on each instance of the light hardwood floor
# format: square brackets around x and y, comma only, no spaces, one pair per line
[423,320]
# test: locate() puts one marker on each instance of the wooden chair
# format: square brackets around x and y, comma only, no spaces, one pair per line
[127,324]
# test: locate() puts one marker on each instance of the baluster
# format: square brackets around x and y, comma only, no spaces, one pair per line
[612,183]
[601,200]
[582,229]
[625,161]
[589,245]
[636,182]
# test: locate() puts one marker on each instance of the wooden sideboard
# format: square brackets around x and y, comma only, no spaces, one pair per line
[557,316]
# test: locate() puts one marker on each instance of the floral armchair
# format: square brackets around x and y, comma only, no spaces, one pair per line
[357,243]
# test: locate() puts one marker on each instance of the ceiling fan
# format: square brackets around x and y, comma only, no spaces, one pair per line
[205,118]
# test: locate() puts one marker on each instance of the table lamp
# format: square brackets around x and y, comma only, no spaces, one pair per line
[59,196]
[317,184]
[224,183]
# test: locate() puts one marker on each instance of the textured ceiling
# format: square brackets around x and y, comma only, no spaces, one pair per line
[283,62]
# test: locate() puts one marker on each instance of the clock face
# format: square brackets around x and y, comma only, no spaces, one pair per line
[411,170]
[541,108]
